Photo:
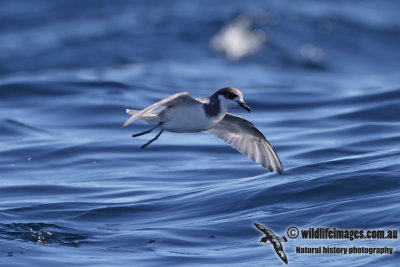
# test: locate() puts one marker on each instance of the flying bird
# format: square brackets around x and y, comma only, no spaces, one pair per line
[181,113]
[274,240]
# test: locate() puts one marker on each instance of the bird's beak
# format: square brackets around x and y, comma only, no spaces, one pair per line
[243,105]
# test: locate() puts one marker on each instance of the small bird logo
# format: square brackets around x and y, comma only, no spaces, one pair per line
[274,240]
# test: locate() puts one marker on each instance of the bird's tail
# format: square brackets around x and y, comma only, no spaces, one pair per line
[149,117]
[132,111]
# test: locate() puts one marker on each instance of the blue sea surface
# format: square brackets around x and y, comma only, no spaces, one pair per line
[322,79]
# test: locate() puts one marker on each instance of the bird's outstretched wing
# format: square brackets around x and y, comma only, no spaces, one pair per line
[281,254]
[248,140]
[262,228]
[266,231]
[177,99]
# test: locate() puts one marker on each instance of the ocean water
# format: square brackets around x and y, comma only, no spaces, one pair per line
[323,82]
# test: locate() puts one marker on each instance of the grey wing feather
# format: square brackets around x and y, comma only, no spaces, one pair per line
[247,139]
[204,100]
[176,99]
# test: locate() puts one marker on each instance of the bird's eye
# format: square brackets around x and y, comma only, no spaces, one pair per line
[231,96]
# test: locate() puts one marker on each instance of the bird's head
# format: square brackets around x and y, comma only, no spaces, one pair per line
[230,98]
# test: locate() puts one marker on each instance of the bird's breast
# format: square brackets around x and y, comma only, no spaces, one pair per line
[186,119]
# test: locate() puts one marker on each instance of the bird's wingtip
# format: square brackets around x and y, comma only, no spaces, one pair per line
[126,123]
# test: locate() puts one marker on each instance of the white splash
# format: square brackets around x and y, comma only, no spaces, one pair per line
[237,40]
